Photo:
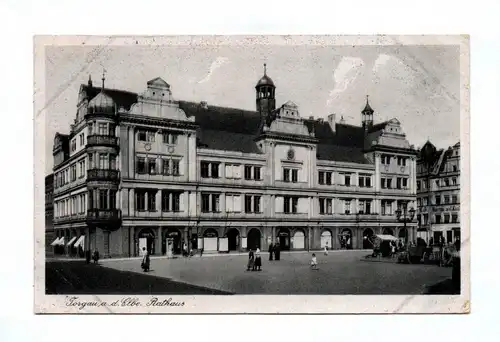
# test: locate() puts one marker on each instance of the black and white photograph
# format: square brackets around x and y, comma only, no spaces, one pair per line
[185,171]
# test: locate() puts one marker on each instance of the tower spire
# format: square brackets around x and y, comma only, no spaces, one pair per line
[90,81]
[103,78]
[265,69]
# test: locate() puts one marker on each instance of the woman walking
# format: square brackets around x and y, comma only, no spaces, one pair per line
[251,259]
[271,251]
[258,260]
[145,260]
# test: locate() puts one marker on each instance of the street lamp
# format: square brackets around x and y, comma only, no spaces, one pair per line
[405,215]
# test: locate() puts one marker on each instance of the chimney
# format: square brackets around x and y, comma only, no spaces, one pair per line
[331,121]
[204,104]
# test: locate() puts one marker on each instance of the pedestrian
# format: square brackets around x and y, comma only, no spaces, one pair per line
[271,251]
[258,260]
[457,243]
[95,257]
[277,252]
[145,260]
[326,249]
[184,250]
[250,264]
[314,262]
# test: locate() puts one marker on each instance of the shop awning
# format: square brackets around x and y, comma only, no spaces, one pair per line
[79,242]
[387,237]
[71,241]
[55,242]
[61,241]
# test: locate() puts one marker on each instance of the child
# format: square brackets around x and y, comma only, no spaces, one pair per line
[314,262]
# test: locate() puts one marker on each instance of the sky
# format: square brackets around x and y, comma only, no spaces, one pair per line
[418,85]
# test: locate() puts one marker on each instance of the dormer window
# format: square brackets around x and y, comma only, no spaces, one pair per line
[385,159]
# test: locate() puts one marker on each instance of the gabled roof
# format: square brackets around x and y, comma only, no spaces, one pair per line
[158,82]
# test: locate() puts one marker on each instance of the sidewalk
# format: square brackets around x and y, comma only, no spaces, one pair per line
[205,255]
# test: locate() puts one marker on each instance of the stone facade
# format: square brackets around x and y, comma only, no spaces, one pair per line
[144,170]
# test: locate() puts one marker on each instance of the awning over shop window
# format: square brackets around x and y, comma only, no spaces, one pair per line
[387,237]
[61,241]
[71,241]
[55,242]
[80,242]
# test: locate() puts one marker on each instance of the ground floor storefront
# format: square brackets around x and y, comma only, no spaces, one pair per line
[132,239]
[448,233]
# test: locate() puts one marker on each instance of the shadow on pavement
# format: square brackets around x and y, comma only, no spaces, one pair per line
[446,287]
[80,278]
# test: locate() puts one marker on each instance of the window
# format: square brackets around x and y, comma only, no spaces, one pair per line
[233,203]
[215,170]
[321,177]
[401,161]
[425,201]
[347,179]
[140,200]
[82,139]
[73,145]
[437,219]
[365,181]
[209,169]
[205,167]
[256,173]
[347,207]
[286,175]
[325,206]
[141,165]
[90,127]
[112,162]
[103,199]
[419,202]
[112,199]
[447,182]
[91,161]
[146,136]
[437,183]
[233,171]
[103,161]
[386,207]
[454,180]
[176,201]
[151,200]
[386,183]
[210,203]
[256,204]
[295,175]
[102,128]
[175,167]
[290,204]
[454,218]
[170,201]
[248,172]
[152,166]
[455,168]
[364,206]
[248,204]
[446,218]
[426,219]
[81,165]
[141,135]
[385,159]
[454,199]
[328,179]
[418,185]
[446,199]
[437,200]
[170,138]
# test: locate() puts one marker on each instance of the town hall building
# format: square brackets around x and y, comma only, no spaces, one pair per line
[147,171]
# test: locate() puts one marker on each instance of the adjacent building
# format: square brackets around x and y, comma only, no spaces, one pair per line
[49,211]
[438,193]
[145,171]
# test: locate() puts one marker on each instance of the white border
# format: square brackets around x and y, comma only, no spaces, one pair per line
[256,304]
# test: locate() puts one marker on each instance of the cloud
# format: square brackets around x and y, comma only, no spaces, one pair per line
[214,66]
[388,67]
[345,73]
[380,62]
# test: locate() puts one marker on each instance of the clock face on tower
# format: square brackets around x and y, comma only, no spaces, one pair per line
[291,154]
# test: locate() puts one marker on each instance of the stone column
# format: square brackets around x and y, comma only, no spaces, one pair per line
[158,202]
[146,201]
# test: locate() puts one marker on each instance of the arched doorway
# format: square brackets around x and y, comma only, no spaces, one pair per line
[146,239]
[403,234]
[326,239]
[299,239]
[283,238]
[368,238]
[210,240]
[233,237]
[253,239]
[388,231]
[173,236]
[345,239]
